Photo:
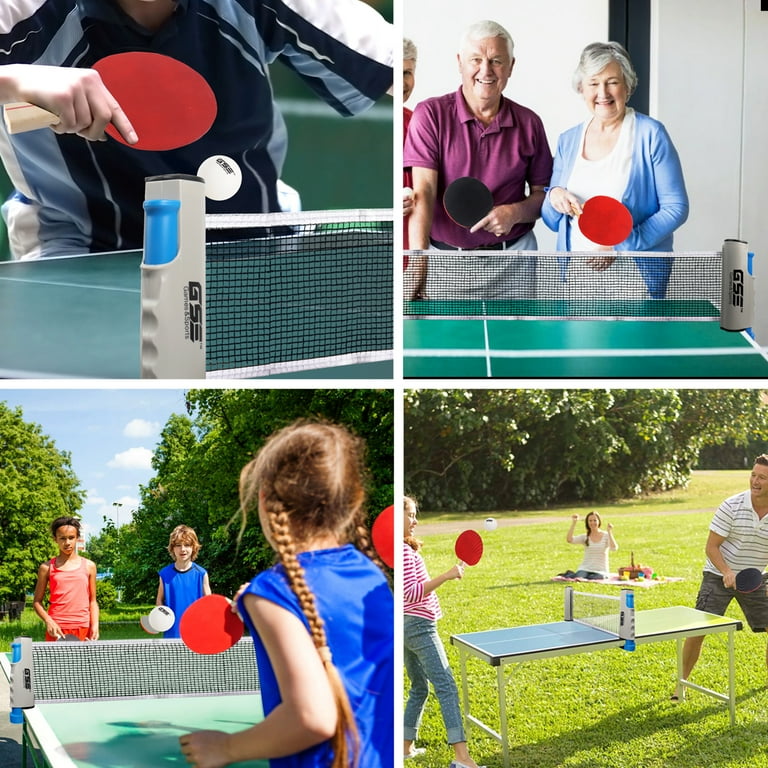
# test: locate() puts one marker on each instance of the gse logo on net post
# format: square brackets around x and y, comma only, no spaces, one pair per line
[193,314]
[737,288]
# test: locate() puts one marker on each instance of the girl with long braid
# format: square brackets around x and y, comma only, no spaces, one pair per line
[321,618]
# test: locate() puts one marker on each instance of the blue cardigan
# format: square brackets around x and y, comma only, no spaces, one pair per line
[655,196]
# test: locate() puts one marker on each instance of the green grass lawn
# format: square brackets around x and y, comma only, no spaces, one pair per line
[608,709]
[119,623]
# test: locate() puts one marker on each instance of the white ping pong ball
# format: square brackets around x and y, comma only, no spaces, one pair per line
[407,192]
[222,176]
[161,618]
[491,524]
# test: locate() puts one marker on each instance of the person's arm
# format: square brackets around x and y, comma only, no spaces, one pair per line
[612,545]
[77,96]
[307,713]
[424,197]
[419,226]
[569,535]
[660,165]
[160,598]
[51,627]
[206,585]
[457,572]
[93,605]
[712,549]
[343,50]
[503,217]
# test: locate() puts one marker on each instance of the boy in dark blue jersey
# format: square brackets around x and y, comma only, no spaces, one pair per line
[75,196]
[183,581]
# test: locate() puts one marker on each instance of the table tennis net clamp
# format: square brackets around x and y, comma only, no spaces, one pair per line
[611,613]
[117,669]
[705,285]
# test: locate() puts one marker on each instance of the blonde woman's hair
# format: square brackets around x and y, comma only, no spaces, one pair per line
[310,477]
[183,534]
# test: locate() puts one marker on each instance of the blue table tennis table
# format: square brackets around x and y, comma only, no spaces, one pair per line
[501,648]
[475,339]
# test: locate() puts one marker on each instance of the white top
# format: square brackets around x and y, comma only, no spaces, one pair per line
[595,555]
[607,176]
[746,537]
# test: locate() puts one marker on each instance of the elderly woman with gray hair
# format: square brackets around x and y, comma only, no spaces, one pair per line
[622,154]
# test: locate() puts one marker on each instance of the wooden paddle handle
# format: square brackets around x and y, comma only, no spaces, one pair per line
[21,117]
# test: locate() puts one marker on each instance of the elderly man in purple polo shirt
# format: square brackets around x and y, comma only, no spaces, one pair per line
[478,132]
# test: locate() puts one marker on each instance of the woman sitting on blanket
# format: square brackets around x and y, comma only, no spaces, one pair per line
[597,543]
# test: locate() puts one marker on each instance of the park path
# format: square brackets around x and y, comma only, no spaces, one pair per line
[456,526]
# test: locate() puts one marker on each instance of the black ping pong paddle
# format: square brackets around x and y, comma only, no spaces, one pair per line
[467,200]
[749,580]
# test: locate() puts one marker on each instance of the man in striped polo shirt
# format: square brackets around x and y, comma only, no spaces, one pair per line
[738,539]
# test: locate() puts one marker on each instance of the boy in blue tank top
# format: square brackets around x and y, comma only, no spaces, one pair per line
[183,581]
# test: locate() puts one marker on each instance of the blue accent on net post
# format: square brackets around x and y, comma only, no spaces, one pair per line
[161,238]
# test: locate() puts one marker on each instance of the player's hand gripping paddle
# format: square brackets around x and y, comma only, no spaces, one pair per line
[749,580]
[469,547]
[605,220]
[383,535]
[467,200]
[168,103]
[209,625]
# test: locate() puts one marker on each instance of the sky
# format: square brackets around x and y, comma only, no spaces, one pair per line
[110,434]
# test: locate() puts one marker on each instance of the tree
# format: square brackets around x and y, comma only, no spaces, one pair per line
[503,449]
[37,485]
[197,465]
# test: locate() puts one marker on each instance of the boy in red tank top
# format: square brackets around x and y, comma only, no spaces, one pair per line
[71,582]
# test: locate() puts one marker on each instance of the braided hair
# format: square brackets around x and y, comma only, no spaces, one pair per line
[309,478]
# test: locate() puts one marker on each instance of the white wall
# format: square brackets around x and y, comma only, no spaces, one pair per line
[549,36]
[708,88]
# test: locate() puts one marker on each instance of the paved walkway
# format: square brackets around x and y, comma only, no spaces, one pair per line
[457,526]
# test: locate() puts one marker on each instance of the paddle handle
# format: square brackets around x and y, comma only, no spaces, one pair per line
[21,117]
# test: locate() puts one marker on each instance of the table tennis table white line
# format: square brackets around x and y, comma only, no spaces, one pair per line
[572,319]
[465,651]
[487,346]
[59,284]
[512,354]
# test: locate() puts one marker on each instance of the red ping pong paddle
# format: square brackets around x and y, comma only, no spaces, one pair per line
[168,103]
[467,200]
[749,580]
[383,535]
[469,547]
[209,626]
[605,220]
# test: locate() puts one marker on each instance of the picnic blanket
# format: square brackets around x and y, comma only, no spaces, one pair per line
[615,581]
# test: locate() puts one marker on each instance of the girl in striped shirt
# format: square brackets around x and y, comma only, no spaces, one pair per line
[424,654]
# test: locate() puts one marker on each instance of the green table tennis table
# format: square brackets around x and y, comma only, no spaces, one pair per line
[124,704]
[130,733]
[476,339]
[312,314]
